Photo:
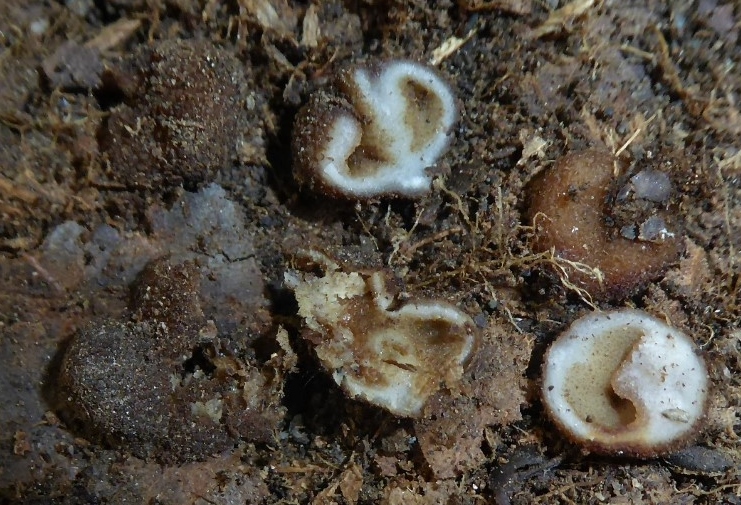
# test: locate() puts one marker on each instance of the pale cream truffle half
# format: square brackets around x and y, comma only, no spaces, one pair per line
[625,383]
[377,350]
[375,132]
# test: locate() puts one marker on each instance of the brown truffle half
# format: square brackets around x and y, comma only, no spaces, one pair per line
[568,207]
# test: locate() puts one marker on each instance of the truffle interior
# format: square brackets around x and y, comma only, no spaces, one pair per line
[588,384]
[408,342]
[423,115]
[395,357]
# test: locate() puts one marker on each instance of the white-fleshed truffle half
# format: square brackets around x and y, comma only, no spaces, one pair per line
[625,383]
[375,132]
[394,357]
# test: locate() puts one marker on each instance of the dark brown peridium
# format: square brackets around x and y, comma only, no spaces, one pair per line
[568,207]
[165,384]
[313,122]
[183,113]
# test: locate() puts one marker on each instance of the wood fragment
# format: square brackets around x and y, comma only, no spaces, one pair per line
[518,7]
[275,15]
[351,482]
[11,190]
[113,35]
[302,469]
[450,46]
[562,19]
[16,120]
[638,130]
[311,31]
[670,74]
[694,272]
[534,145]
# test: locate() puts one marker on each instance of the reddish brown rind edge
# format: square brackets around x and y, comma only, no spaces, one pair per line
[310,134]
[566,204]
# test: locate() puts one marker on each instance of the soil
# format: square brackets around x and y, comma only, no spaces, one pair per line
[149,215]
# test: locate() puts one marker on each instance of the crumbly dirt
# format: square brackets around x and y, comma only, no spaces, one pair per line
[116,153]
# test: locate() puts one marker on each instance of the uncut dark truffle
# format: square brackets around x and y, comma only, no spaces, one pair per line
[181,118]
[163,385]
[569,206]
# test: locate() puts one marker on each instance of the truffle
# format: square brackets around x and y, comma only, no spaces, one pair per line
[569,207]
[164,385]
[394,355]
[625,383]
[374,132]
[181,118]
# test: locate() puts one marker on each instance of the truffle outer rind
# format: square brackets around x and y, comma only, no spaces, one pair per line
[567,205]
[182,118]
[313,122]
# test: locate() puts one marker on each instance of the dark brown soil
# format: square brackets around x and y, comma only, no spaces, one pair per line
[120,146]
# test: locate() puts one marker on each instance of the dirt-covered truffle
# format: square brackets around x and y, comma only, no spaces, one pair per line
[375,132]
[164,385]
[167,293]
[391,354]
[182,117]
[571,207]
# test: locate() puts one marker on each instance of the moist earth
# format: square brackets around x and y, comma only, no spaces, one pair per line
[150,212]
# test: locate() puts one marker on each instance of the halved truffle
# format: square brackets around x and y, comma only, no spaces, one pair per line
[625,383]
[374,132]
[394,355]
